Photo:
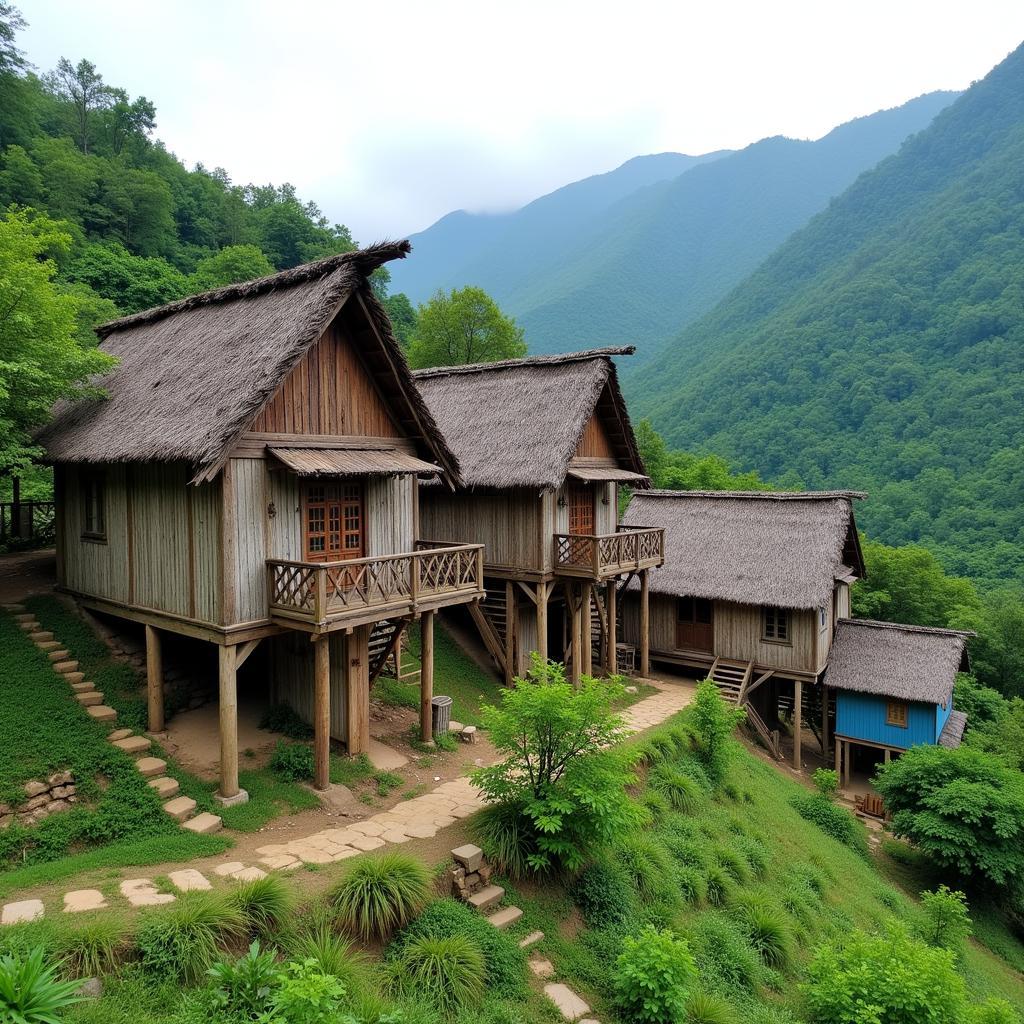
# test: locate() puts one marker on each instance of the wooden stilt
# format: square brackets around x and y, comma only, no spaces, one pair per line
[427,677]
[510,632]
[228,723]
[888,753]
[357,689]
[839,758]
[586,633]
[322,713]
[154,680]
[610,663]
[645,626]
[824,723]
[574,629]
[798,722]
[542,620]
[847,758]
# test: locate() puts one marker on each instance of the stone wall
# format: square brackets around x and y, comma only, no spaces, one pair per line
[44,797]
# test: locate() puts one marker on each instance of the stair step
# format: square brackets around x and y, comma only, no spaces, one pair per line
[64,667]
[149,767]
[118,734]
[487,898]
[14,608]
[102,713]
[165,787]
[204,824]
[54,651]
[531,940]
[29,627]
[133,744]
[180,808]
[40,635]
[504,917]
[90,698]
[73,677]
[25,617]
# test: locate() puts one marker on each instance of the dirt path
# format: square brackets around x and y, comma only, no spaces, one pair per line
[26,573]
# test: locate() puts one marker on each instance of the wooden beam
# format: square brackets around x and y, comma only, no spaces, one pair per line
[824,723]
[228,723]
[427,677]
[839,757]
[510,631]
[357,678]
[244,650]
[154,680]
[542,620]
[322,712]
[491,639]
[612,634]
[576,639]
[645,626]
[763,678]
[525,588]
[798,721]
[586,634]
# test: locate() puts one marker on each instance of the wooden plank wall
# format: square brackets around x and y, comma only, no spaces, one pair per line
[290,663]
[328,392]
[507,522]
[389,515]
[206,514]
[594,442]
[250,539]
[526,639]
[606,517]
[161,572]
[92,567]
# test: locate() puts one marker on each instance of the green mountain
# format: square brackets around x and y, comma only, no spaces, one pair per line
[601,262]
[882,346]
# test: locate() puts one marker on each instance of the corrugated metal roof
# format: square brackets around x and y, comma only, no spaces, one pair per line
[597,475]
[351,461]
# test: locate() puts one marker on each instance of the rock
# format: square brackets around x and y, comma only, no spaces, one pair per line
[504,917]
[180,807]
[61,779]
[189,879]
[141,892]
[632,689]
[455,726]
[83,899]
[165,787]
[204,824]
[101,713]
[531,940]
[487,898]
[150,767]
[469,856]
[119,734]
[250,874]
[35,788]
[26,910]
[37,801]
[229,868]
[133,744]
[60,792]
[542,968]
[569,1004]
[468,734]
[91,988]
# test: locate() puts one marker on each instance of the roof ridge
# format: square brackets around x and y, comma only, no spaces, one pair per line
[765,495]
[365,262]
[907,627]
[542,360]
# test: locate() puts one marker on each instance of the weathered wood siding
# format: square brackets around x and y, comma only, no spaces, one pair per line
[595,442]
[508,523]
[251,538]
[328,392]
[606,516]
[737,636]
[526,634]
[291,677]
[390,515]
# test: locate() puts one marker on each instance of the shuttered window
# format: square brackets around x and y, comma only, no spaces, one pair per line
[94,512]
[896,713]
[776,625]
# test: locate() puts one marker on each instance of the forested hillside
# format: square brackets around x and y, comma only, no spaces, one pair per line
[576,273]
[881,347]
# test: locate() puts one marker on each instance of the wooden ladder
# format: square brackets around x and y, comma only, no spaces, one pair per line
[731,678]
[386,643]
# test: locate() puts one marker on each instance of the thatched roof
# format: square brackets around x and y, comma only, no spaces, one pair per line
[953,731]
[517,423]
[194,373]
[893,660]
[764,548]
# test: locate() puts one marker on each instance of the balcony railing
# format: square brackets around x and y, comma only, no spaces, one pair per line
[610,554]
[27,522]
[324,595]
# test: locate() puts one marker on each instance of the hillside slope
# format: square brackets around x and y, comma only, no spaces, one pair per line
[881,346]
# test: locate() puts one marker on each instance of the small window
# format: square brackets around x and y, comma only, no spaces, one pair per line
[776,625]
[822,617]
[94,512]
[896,713]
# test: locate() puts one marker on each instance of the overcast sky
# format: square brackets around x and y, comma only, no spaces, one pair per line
[389,115]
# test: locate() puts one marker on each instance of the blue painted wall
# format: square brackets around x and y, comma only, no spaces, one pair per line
[942,715]
[861,716]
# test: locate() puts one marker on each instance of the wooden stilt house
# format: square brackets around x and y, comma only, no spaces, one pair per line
[252,477]
[544,445]
[751,591]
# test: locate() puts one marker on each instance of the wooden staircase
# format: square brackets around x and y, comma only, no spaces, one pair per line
[490,617]
[386,643]
[732,679]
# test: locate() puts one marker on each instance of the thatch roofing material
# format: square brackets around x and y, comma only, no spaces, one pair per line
[598,474]
[517,423]
[351,462]
[761,548]
[953,731]
[194,373]
[892,660]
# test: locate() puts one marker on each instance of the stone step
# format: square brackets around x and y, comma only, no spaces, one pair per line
[102,713]
[64,667]
[204,824]
[531,940]
[118,734]
[13,608]
[29,627]
[180,808]
[74,677]
[25,617]
[569,1004]
[150,767]
[504,917]
[54,655]
[165,787]
[133,744]
[40,635]
[83,687]
[90,698]
[487,898]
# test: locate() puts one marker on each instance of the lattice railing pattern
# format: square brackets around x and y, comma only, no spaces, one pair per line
[292,585]
[611,552]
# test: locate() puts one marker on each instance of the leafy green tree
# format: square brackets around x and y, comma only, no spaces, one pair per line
[12,59]
[41,359]
[946,920]
[561,769]
[231,264]
[463,326]
[131,282]
[997,655]
[403,317]
[20,180]
[982,704]
[1002,736]
[963,808]
[83,88]
[713,723]
[127,119]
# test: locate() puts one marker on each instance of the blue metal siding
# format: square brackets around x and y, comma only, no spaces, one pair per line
[861,716]
[942,716]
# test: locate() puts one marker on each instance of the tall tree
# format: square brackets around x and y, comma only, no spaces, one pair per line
[12,59]
[233,263]
[83,87]
[464,326]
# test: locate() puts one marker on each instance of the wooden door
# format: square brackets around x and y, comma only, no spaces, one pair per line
[335,523]
[581,510]
[695,626]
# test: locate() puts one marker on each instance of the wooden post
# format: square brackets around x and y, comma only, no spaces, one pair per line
[510,631]
[847,758]
[824,723]
[798,721]
[542,620]
[610,662]
[645,626]
[839,757]
[427,677]
[154,680]
[358,689]
[15,506]
[575,637]
[888,752]
[586,631]
[322,712]
[228,724]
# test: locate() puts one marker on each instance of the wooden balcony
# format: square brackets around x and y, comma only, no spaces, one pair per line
[323,596]
[602,556]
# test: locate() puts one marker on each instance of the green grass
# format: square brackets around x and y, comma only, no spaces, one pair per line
[350,771]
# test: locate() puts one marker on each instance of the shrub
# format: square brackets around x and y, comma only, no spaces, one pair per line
[725,958]
[446,972]
[945,919]
[604,894]
[30,992]
[305,995]
[826,781]
[656,804]
[731,862]
[993,1011]
[718,885]
[713,722]
[963,808]
[646,862]
[93,947]
[691,885]
[506,835]
[561,766]
[292,762]
[244,987]
[703,1008]
[678,788]
[833,820]
[332,954]
[263,904]
[504,961]
[768,934]
[281,718]
[380,894]
[755,853]
[901,979]
[183,942]
[653,977]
